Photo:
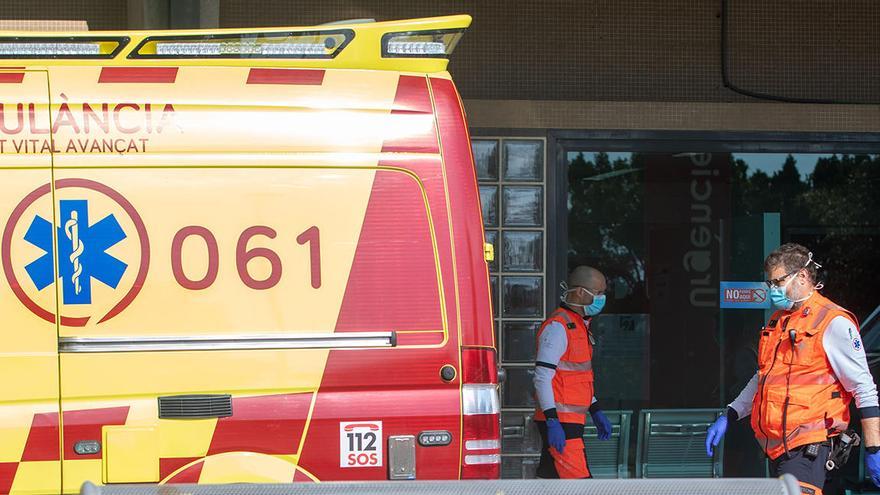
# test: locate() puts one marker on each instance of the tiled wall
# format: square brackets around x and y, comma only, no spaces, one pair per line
[98,14]
[633,50]
[511,173]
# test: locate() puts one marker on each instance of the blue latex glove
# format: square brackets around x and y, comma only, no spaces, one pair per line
[872,461]
[555,434]
[715,433]
[602,424]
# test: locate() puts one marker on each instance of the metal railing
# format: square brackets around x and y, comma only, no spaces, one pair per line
[786,485]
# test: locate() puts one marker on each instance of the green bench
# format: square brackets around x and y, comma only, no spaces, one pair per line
[672,444]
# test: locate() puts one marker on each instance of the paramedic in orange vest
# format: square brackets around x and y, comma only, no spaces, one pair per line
[811,364]
[564,378]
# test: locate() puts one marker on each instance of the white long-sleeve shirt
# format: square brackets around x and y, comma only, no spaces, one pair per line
[551,346]
[846,354]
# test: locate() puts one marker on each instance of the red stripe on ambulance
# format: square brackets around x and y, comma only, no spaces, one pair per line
[167,465]
[11,77]
[472,280]
[88,425]
[138,75]
[271,424]
[412,105]
[393,276]
[301,477]
[42,441]
[303,77]
[7,475]
[421,338]
[189,475]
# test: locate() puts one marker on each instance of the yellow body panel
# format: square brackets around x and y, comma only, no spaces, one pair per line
[228,305]
[131,454]
[185,438]
[37,477]
[247,467]
[29,359]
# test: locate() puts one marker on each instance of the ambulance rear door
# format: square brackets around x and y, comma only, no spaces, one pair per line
[261,296]
[29,436]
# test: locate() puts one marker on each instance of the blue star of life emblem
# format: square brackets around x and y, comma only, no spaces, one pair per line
[82,252]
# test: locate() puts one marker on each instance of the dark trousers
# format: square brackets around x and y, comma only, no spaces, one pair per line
[811,473]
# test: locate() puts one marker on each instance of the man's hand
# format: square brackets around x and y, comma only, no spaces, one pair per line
[715,433]
[872,462]
[555,434]
[602,424]
[871,437]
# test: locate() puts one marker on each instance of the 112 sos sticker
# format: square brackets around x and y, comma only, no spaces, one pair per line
[360,444]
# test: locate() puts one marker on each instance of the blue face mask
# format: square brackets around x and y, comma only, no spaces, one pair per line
[596,306]
[591,309]
[779,299]
[779,295]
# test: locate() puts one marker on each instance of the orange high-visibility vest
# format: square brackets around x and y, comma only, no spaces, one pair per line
[573,382]
[799,399]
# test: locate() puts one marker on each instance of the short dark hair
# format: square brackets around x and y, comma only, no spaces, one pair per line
[792,257]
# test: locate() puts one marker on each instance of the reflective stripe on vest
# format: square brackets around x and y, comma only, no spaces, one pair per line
[572,366]
[569,408]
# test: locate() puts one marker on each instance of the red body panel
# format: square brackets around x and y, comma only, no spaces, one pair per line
[271,424]
[473,275]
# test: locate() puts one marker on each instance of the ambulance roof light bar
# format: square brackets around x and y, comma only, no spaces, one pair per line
[410,45]
[50,49]
[307,44]
[42,47]
[241,49]
[421,44]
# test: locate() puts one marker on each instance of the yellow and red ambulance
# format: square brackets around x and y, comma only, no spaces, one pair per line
[241,256]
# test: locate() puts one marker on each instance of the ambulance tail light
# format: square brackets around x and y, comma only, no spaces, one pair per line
[313,44]
[481,415]
[43,47]
[421,44]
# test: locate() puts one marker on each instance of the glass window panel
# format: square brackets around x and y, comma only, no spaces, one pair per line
[486,158]
[489,202]
[519,435]
[523,206]
[519,341]
[492,238]
[519,468]
[634,213]
[524,160]
[523,296]
[523,251]
[518,389]
[496,303]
